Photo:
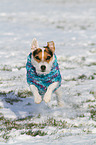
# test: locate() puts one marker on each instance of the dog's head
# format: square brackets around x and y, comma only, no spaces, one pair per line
[42,58]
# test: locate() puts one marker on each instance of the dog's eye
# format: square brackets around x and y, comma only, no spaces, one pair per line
[48,57]
[37,57]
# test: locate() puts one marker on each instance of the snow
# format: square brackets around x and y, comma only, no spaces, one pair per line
[71,25]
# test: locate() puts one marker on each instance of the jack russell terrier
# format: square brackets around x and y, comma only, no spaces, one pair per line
[43,75]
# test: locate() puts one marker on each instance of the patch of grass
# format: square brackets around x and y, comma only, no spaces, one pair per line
[55,123]
[60,27]
[34,133]
[1,117]
[6,68]
[24,94]
[1,82]
[78,94]
[19,68]
[2,93]
[6,136]
[91,77]
[12,100]
[81,116]
[49,122]
[27,125]
[19,95]
[92,106]
[90,101]
[82,77]
[92,64]
[92,44]
[93,113]
[73,79]
[87,131]
[29,104]
[94,94]
[25,118]
[91,92]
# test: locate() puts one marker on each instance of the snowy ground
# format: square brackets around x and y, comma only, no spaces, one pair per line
[72,26]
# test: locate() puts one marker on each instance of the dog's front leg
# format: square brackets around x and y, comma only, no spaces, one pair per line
[37,97]
[47,96]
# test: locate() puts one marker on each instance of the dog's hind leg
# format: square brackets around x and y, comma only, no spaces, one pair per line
[59,97]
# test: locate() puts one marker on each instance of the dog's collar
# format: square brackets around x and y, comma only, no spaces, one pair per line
[42,81]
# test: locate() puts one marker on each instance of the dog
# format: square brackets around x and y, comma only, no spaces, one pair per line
[43,74]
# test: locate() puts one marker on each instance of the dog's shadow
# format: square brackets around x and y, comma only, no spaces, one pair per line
[16,107]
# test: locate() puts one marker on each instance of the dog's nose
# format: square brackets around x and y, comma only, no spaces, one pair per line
[43,68]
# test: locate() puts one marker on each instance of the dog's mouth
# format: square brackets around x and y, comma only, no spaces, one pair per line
[43,71]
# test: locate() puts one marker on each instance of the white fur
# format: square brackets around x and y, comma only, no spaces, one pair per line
[43,54]
[47,96]
[37,97]
[59,97]
[34,44]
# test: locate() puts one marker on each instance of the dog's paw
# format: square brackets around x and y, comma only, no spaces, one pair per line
[47,97]
[37,99]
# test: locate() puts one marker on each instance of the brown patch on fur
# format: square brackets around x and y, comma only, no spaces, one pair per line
[48,55]
[37,54]
[51,46]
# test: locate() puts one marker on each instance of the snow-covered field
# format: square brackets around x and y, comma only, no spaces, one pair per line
[72,26]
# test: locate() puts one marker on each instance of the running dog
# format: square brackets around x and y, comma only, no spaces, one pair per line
[43,74]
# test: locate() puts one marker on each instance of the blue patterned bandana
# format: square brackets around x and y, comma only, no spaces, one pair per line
[43,81]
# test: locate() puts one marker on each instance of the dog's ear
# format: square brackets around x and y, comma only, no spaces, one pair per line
[51,46]
[34,44]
